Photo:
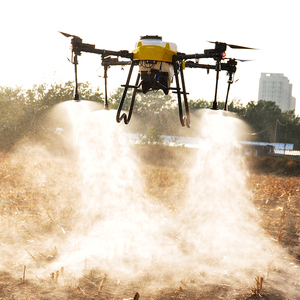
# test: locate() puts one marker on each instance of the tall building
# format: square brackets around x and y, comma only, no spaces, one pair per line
[277,88]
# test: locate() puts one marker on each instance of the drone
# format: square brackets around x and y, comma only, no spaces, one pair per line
[159,63]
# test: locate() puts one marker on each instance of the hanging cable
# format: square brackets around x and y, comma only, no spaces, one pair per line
[280,123]
[256,133]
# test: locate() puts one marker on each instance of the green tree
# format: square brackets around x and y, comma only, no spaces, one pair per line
[151,102]
[20,109]
[154,102]
[115,98]
[152,137]
[12,115]
[236,106]
[262,117]
[198,104]
[288,129]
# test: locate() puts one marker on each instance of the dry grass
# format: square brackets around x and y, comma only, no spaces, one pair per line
[36,193]
[35,204]
[278,200]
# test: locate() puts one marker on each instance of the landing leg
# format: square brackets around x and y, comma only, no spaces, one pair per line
[183,120]
[124,116]
[186,105]
[218,68]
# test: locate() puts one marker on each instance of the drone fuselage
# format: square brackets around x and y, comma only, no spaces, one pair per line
[159,62]
[155,59]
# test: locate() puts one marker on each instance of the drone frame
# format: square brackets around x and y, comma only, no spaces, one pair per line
[179,62]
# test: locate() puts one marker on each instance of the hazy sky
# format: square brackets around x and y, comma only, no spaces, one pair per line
[32,50]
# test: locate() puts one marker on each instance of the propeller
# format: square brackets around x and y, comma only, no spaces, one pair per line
[234,46]
[238,59]
[67,34]
[76,40]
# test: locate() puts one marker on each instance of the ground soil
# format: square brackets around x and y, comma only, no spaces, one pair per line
[29,209]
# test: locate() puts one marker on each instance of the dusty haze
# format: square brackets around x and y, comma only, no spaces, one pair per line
[115,227]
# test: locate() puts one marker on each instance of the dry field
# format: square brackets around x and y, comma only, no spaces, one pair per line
[38,208]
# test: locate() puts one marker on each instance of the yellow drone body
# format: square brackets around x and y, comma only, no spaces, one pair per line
[153,48]
[155,59]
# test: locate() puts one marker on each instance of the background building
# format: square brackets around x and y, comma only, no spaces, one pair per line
[277,88]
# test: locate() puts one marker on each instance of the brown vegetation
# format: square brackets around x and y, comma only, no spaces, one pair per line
[35,204]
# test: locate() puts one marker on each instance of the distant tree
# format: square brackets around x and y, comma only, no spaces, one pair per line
[198,104]
[12,115]
[60,92]
[87,92]
[115,98]
[19,108]
[288,129]
[236,106]
[152,102]
[152,137]
[262,117]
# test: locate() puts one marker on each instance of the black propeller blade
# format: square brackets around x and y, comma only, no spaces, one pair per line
[237,59]
[67,34]
[234,46]
[240,47]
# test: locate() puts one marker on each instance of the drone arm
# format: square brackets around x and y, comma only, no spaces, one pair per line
[122,53]
[78,47]
[82,47]
[114,62]
[183,56]
[196,56]
[191,64]
[224,66]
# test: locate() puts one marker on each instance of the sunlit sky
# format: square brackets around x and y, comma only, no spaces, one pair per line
[32,50]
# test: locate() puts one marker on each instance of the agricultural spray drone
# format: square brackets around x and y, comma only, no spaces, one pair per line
[158,62]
